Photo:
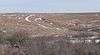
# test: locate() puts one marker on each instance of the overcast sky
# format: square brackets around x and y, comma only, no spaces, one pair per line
[54,5]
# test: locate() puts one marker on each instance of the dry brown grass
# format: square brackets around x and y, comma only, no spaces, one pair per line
[28,38]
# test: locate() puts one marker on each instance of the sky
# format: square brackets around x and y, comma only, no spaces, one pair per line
[50,5]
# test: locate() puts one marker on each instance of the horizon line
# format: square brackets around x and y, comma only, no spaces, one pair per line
[46,11]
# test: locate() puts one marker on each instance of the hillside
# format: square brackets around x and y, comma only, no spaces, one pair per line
[49,33]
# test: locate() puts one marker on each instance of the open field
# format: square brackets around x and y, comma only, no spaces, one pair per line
[49,34]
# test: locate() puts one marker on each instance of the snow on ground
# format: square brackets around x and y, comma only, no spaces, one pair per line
[27,18]
[36,19]
[48,27]
[44,26]
[51,23]
[94,21]
[4,31]
[97,41]
[93,37]
[88,41]
[58,28]
[19,18]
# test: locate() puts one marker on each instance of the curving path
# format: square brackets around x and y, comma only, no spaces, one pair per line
[36,20]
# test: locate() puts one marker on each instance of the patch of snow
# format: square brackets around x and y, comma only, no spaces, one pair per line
[88,41]
[19,18]
[75,41]
[42,26]
[36,19]
[97,41]
[89,29]
[39,19]
[93,37]
[51,23]
[58,28]
[4,31]
[27,18]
